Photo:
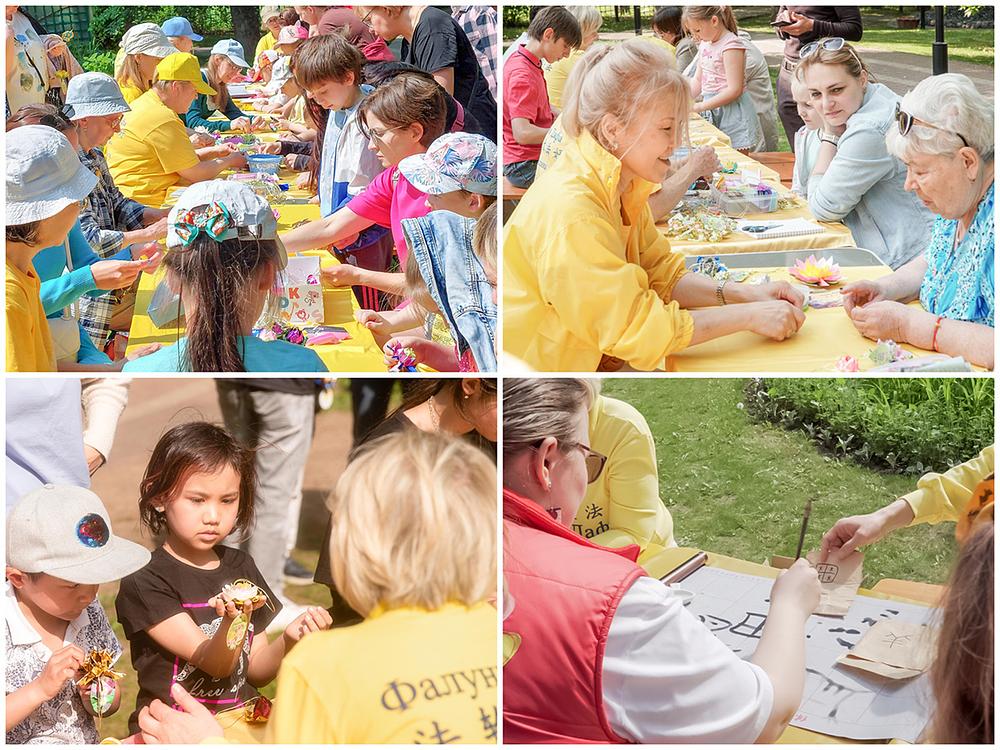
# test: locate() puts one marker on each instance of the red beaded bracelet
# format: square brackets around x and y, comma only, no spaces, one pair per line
[937,327]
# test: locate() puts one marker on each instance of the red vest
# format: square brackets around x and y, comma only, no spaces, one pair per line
[565,590]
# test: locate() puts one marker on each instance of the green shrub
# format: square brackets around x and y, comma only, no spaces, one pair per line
[95,61]
[905,425]
[110,23]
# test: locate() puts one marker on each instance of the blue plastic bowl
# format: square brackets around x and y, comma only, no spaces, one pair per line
[263,163]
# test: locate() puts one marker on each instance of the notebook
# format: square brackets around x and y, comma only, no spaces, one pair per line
[765,229]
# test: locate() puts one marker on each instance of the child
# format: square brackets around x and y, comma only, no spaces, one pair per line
[225,65]
[962,673]
[223,259]
[669,26]
[290,38]
[401,118]
[527,114]
[458,173]
[181,35]
[453,275]
[60,548]
[45,184]
[720,77]
[328,69]
[806,138]
[182,624]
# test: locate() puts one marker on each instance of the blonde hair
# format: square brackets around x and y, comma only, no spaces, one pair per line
[420,534]
[951,102]
[707,12]
[218,101]
[619,82]
[484,239]
[589,18]
[537,408]
[130,72]
[416,287]
[846,56]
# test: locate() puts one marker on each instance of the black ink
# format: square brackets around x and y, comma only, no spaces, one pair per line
[747,628]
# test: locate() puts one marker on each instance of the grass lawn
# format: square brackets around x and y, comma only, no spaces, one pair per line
[737,488]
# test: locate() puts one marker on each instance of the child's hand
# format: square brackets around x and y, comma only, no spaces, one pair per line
[371,320]
[227,607]
[797,589]
[340,275]
[415,343]
[283,124]
[312,620]
[61,667]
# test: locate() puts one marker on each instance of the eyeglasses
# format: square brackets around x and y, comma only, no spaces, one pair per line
[380,137]
[594,462]
[904,121]
[830,44]
[365,20]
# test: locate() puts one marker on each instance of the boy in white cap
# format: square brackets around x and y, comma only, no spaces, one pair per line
[60,548]
[45,184]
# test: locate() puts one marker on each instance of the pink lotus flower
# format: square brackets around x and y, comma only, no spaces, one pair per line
[820,272]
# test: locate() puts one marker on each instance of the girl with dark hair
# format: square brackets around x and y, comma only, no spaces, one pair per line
[185,623]
[223,262]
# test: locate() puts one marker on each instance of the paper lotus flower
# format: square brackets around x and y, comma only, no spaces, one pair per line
[847,363]
[817,271]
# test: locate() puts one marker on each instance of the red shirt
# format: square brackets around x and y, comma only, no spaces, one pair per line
[524,95]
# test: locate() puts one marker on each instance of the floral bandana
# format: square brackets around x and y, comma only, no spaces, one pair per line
[212,219]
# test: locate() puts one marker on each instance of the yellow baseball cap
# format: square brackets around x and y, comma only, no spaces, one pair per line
[182,66]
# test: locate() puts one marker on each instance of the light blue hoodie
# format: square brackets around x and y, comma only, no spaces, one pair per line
[863,186]
[441,244]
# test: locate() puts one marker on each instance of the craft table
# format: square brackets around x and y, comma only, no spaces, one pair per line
[702,133]
[826,335]
[359,353]
[661,564]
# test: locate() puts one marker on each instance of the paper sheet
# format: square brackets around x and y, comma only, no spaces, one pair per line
[839,581]
[837,700]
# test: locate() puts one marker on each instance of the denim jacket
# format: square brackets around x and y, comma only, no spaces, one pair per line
[441,243]
[863,186]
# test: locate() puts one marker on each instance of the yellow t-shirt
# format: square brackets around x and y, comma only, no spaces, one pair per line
[557,74]
[298,113]
[579,281]
[623,506]
[130,91]
[943,497]
[152,147]
[404,676]
[266,42]
[29,343]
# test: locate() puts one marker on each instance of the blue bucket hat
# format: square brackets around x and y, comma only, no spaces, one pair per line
[180,26]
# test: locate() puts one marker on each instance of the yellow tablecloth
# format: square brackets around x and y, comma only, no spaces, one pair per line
[669,559]
[359,353]
[702,133]
[826,335]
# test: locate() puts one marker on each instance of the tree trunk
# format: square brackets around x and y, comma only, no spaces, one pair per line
[246,28]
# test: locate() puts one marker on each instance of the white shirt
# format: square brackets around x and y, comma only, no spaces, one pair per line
[61,719]
[668,679]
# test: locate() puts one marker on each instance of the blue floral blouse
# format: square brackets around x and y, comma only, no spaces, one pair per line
[959,282]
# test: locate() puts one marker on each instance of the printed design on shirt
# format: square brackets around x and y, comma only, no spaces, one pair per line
[202,686]
[594,514]
[478,685]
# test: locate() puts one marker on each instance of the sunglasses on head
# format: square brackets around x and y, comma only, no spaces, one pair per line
[830,44]
[905,121]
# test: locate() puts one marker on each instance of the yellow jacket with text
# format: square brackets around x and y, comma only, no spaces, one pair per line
[586,271]
[623,506]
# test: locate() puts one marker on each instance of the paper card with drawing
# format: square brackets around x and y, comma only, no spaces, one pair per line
[897,650]
[840,582]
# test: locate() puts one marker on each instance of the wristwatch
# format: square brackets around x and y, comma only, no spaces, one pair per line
[829,138]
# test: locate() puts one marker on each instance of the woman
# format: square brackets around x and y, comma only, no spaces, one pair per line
[944,136]
[270,19]
[427,618]
[587,234]
[855,179]
[465,408]
[606,653]
[590,21]
[435,43]
[225,65]
[623,506]
[668,26]
[142,48]
[27,62]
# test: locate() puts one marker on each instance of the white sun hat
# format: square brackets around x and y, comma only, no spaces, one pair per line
[44,174]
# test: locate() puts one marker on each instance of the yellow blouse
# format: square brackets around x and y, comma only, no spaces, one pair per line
[586,271]
[943,497]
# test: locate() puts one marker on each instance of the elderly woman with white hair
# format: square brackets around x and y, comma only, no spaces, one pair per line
[944,135]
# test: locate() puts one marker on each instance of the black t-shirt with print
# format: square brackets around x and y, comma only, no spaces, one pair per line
[439,42]
[167,586]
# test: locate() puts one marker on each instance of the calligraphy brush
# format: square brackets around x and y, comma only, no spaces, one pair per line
[805,525]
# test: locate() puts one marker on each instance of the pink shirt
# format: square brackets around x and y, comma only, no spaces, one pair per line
[387,200]
[713,70]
